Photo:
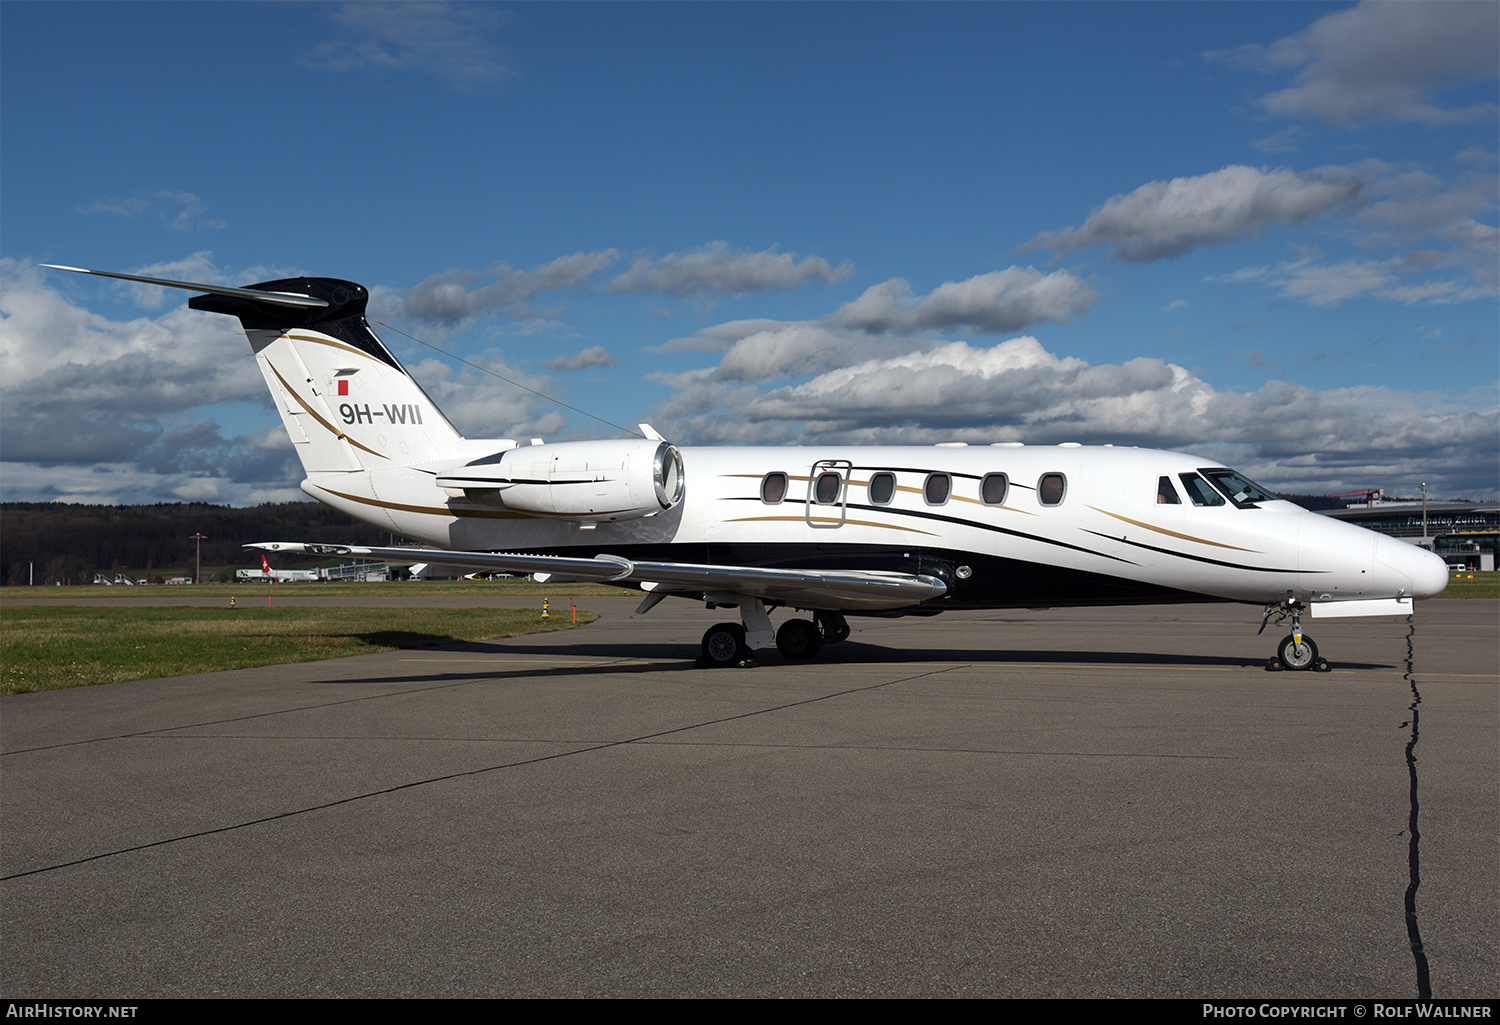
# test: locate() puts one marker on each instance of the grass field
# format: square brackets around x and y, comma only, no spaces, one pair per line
[165,593]
[52,647]
[1482,585]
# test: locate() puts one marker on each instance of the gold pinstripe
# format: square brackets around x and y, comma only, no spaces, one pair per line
[314,414]
[333,343]
[826,519]
[431,510]
[1173,533]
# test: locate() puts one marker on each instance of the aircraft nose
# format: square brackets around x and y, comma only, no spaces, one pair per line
[1426,572]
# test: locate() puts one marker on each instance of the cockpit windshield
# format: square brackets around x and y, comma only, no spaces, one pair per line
[1198,490]
[1240,490]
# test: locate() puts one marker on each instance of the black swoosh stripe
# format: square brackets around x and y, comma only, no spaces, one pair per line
[959,521]
[1200,558]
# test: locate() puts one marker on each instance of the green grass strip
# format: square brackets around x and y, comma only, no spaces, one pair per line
[52,647]
[1473,585]
[386,589]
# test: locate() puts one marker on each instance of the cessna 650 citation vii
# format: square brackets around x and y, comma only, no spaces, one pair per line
[829,530]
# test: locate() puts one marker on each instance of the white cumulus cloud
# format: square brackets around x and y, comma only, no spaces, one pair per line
[1383,61]
[1164,219]
[715,268]
[447,299]
[1290,436]
[594,356]
[993,303]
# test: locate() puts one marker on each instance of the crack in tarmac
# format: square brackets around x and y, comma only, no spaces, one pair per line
[1413,852]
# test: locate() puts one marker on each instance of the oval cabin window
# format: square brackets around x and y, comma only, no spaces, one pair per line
[937,489]
[773,488]
[882,488]
[828,487]
[1051,488]
[993,488]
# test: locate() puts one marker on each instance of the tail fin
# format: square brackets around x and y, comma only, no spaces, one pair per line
[347,403]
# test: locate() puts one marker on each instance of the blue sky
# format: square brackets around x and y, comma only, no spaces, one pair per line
[1262,232]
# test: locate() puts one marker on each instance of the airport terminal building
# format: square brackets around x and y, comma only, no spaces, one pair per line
[1465,534]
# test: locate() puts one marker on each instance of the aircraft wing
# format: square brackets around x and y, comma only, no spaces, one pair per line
[804,588]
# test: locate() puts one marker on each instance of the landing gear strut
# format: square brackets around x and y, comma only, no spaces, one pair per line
[728,644]
[1296,650]
[832,626]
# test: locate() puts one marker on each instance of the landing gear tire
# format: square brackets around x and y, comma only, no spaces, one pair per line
[798,638]
[1297,656]
[724,646]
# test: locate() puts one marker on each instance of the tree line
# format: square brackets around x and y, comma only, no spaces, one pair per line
[62,542]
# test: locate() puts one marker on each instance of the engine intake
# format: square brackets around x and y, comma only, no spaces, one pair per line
[592,481]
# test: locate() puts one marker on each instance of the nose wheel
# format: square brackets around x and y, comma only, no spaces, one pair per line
[1291,655]
[1296,650]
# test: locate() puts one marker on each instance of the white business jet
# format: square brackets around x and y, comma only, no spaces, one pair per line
[832,531]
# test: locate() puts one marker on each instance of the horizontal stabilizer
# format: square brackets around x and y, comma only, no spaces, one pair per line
[252,294]
[803,588]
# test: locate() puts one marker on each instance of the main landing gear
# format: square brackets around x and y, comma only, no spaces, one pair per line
[724,644]
[1296,650]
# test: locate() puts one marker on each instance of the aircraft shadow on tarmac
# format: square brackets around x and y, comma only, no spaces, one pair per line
[674,657]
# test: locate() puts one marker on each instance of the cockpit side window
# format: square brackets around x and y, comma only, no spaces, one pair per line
[1242,491]
[1166,494]
[1199,490]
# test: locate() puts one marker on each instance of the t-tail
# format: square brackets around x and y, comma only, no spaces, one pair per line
[346,401]
[374,446]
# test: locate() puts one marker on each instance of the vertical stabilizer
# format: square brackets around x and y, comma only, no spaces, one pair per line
[347,403]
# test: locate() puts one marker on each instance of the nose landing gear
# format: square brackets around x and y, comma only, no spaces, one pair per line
[1296,650]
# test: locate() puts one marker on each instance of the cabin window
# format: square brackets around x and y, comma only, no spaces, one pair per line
[1199,490]
[1242,491]
[773,488]
[1051,488]
[1166,494]
[882,488]
[993,488]
[937,488]
[827,490]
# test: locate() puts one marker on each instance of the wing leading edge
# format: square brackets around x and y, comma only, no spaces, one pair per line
[804,588]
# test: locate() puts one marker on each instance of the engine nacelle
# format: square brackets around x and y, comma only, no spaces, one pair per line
[589,481]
